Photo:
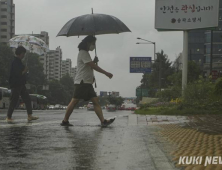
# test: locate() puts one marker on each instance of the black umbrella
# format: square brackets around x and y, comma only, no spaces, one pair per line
[93,24]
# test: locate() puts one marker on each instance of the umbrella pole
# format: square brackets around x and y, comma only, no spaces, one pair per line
[95,63]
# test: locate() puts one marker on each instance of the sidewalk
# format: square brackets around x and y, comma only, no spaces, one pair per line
[192,136]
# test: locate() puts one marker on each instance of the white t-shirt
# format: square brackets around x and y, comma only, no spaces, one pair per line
[84,72]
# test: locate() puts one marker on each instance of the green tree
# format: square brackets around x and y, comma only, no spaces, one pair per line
[35,76]
[118,101]
[68,85]
[56,94]
[6,57]
[161,69]
[67,82]
[103,101]
[194,72]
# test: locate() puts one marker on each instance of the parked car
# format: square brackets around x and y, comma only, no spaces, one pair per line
[64,107]
[90,106]
[58,107]
[111,108]
[51,107]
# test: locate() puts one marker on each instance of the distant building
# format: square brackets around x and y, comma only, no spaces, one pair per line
[73,72]
[7,20]
[200,46]
[66,67]
[55,60]
[43,36]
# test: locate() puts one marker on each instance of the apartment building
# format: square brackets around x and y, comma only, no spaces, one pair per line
[66,67]
[55,62]
[7,20]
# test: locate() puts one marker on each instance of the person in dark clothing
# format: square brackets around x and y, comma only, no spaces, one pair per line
[17,81]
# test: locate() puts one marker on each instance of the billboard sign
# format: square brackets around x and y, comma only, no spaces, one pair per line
[140,64]
[186,14]
[103,93]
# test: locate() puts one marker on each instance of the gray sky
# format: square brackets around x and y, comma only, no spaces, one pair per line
[113,50]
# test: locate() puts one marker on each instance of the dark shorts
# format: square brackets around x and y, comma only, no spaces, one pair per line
[84,91]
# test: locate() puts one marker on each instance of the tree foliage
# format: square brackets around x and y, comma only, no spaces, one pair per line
[161,69]
[118,101]
[35,76]
[6,57]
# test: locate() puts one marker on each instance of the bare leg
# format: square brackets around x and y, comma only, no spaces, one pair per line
[97,108]
[70,108]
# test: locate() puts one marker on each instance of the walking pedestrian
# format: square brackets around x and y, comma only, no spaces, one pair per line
[83,88]
[17,81]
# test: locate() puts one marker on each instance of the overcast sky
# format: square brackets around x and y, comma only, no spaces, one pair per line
[113,50]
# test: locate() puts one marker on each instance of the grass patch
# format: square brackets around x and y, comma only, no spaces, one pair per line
[174,111]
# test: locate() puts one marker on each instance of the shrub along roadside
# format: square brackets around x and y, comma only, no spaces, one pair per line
[201,97]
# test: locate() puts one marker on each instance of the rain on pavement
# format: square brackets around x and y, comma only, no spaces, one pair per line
[129,143]
[44,144]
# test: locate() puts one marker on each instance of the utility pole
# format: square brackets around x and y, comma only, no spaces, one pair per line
[211,52]
[185,61]
[159,73]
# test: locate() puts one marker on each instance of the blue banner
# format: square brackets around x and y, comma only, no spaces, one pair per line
[140,64]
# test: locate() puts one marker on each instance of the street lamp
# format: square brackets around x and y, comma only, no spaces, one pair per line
[149,42]
[154,43]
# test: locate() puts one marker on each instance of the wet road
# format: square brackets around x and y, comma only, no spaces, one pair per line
[44,144]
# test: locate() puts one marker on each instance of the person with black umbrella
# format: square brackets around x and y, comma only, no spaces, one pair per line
[83,88]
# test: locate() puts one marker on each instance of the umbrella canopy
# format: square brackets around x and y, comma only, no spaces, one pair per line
[93,24]
[30,43]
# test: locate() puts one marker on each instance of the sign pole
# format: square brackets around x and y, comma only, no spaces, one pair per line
[185,61]
[211,51]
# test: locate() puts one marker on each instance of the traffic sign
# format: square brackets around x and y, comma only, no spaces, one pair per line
[103,93]
[144,92]
[140,64]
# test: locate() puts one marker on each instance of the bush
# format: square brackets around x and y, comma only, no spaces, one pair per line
[169,94]
[218,87]
[200,95]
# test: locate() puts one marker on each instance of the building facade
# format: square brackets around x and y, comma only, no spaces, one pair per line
[7,20]
[66,67]
[55,61]
[200,47]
